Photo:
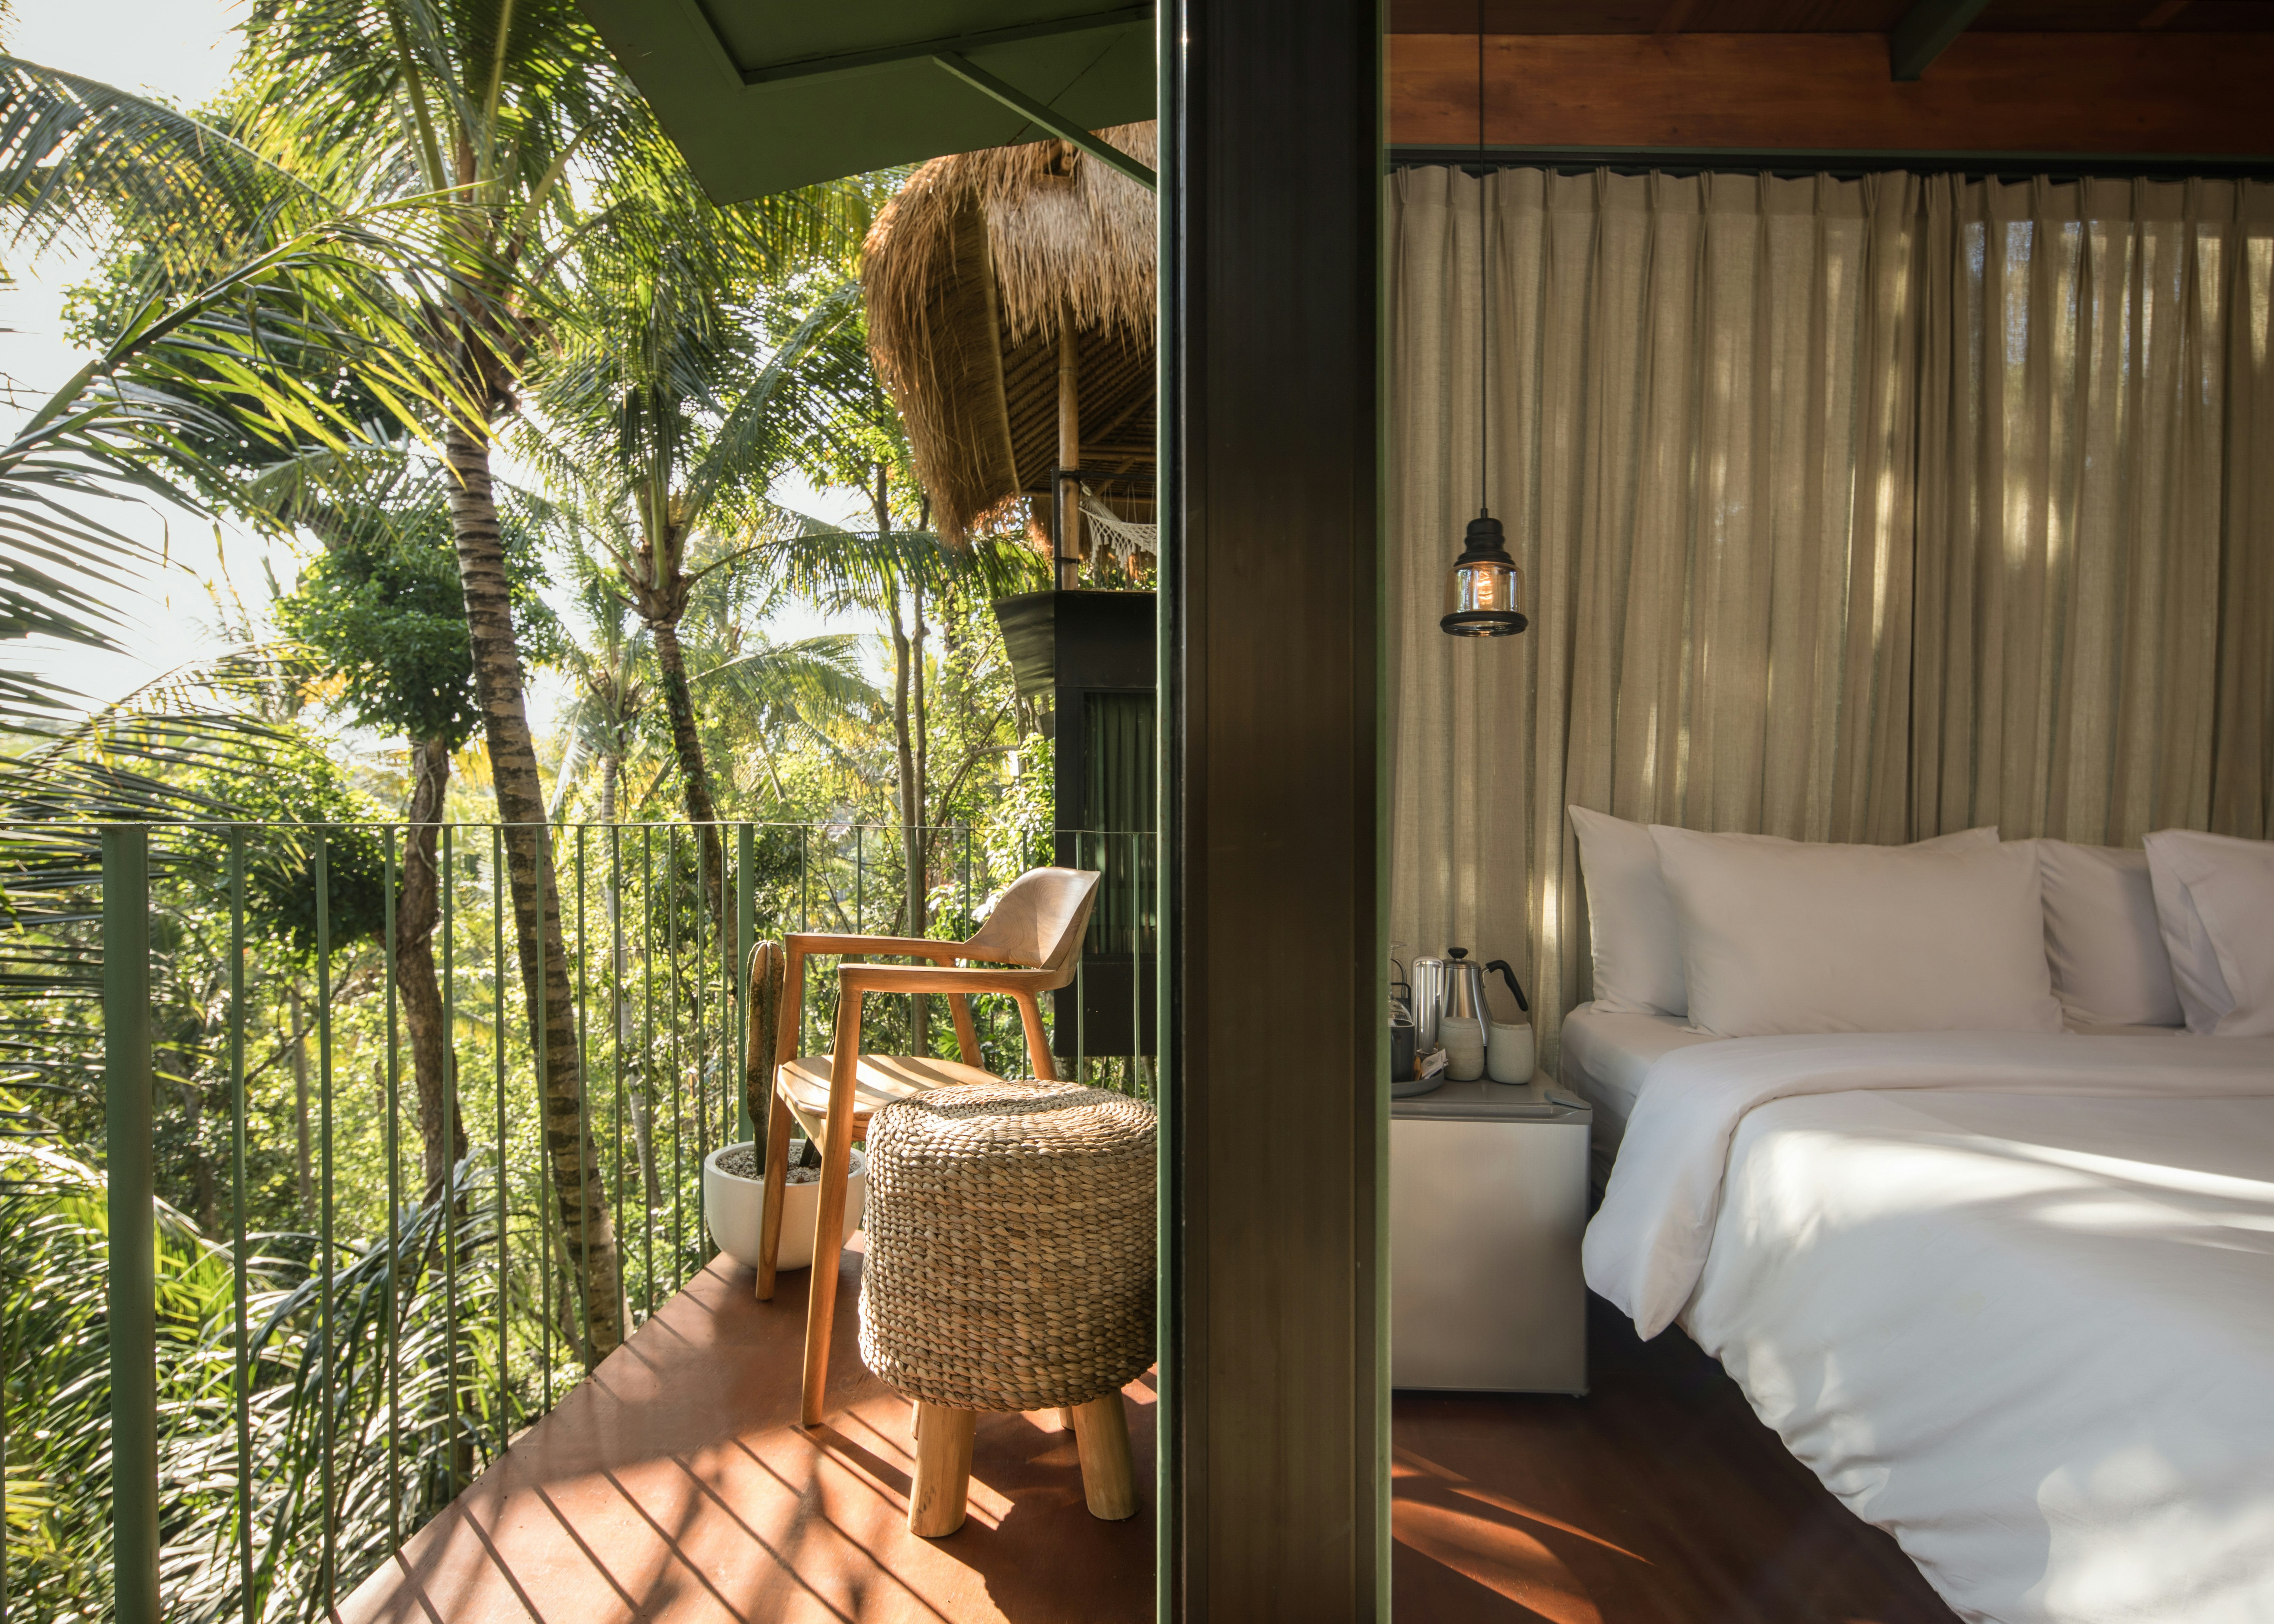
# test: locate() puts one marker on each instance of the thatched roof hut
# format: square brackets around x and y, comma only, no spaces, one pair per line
[972,276]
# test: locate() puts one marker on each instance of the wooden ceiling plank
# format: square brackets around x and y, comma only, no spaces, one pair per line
[2164,14]
[1925,32]
[2175,92]
[1676,13]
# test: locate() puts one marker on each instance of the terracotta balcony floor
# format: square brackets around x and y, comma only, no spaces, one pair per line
[675,1484]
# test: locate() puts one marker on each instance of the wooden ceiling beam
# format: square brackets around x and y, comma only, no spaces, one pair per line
[2131,94]
[1925,32]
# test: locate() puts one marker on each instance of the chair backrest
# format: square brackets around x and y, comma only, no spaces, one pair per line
[1039,921]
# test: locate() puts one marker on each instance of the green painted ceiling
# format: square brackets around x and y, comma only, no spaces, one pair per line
[762,95]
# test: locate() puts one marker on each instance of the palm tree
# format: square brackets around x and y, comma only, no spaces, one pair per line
[255,307]
[511,126]
[668,412]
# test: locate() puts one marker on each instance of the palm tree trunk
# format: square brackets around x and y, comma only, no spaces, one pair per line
[573,1160]
[694,776]
[418,909]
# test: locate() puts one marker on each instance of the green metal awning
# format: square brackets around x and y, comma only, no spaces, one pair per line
[762,95]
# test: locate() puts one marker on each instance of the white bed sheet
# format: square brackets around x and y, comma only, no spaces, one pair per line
[2029,1332]
[1605,1061]
[1606,1058]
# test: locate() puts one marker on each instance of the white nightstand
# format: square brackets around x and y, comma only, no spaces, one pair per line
[1487,1201]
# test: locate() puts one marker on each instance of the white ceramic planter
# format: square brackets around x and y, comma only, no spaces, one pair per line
[733,1206]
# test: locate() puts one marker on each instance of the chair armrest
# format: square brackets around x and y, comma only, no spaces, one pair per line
[855,979]
[908,947]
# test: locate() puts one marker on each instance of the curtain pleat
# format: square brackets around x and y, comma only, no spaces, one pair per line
[1849,510]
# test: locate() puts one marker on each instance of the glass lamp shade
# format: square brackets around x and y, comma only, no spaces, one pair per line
[1483,588]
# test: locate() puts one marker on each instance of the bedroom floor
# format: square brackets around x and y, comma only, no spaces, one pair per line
[1658,1497]
[674,1487]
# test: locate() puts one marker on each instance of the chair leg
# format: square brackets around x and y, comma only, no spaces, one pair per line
[943,1479]
[778,1126]
[967,1034]
[1101,1437]
[1038,1042]
[829,1207]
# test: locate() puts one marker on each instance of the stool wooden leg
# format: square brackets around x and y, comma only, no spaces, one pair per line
[1101,1436]
[1066,1420]
[943,1479]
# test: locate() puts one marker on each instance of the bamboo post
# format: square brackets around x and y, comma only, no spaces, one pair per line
[1069,499]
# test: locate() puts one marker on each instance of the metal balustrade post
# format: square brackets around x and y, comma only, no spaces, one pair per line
[746,930]
[239,1294]
[330,1417]
[649,1100]
[130,1176]
[394,1331]
[446,882]
[498,882]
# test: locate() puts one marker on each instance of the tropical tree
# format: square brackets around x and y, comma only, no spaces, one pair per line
[381,607]
[892,570]
[887,572]
[509,122]
[668,414]
[260,312]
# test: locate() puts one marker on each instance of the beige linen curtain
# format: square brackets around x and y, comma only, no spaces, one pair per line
[1850,510]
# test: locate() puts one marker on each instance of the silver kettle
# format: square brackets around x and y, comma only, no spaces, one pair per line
[1455,986]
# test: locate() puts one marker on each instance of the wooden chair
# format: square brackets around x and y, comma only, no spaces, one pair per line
[1036,925]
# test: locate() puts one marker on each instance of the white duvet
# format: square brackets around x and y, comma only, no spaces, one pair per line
[2011,1296]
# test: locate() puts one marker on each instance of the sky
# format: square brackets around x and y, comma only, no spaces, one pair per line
[181,51]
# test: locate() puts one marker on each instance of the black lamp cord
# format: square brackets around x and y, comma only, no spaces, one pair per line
[1484,292]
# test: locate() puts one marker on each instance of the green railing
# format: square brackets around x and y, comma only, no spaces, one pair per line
[256,1347]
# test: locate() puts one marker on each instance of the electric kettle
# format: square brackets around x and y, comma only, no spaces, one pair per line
[1455,985]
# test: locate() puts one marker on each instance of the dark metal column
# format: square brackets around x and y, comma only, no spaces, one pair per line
[1276,1440]
[130,1176]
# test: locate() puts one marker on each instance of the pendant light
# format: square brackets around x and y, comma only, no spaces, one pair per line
[1484,587]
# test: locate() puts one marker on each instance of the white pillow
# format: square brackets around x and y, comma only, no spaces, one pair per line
[2102,939]
[1791,938]
[2215,899]
[1632,933]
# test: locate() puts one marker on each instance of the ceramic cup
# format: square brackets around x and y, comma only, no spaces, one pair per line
[1465,1047]
[1509,1053]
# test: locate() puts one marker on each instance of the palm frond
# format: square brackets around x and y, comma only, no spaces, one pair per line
[86,163]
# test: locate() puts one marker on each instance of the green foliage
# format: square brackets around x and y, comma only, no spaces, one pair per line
[382,607]
[411,1377]
[192,386]
[389,622]
[307,804]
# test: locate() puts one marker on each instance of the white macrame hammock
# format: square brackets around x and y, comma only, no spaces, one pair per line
[1120,538]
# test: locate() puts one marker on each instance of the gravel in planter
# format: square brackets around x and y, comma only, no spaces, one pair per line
[743,1162]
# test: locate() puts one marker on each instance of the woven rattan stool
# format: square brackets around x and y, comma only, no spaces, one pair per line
[1010,1266]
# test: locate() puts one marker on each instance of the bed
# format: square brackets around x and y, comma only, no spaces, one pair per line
[2011,1296]
[1960,1158]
